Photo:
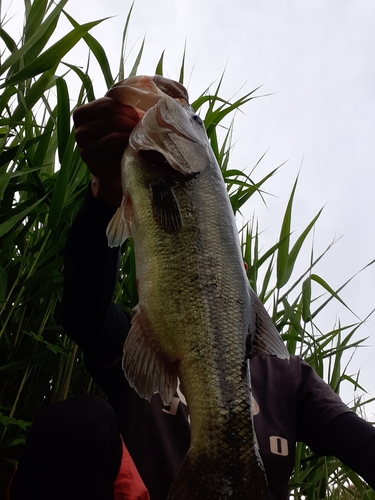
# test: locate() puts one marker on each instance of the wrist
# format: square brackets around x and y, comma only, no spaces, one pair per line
[107,190]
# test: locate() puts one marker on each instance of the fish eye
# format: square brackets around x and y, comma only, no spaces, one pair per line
[198,119]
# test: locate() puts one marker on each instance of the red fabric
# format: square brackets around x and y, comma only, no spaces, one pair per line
[10,482]
[128,484]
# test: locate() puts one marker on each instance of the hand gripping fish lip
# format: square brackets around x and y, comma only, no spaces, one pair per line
[168,125]
[142,92]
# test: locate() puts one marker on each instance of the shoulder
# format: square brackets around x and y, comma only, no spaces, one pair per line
[296,381]
[272,368]
[276,383]
[318,403]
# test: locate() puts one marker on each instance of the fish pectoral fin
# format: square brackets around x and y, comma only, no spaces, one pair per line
[118,228]
[146,366]
[267,340]
[165,207]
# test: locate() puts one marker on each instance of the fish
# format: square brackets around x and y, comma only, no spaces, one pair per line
[197,320]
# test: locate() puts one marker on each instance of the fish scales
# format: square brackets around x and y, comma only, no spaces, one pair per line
[197,316]
[205,300]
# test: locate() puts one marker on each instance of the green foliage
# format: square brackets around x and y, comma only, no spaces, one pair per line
[42,179]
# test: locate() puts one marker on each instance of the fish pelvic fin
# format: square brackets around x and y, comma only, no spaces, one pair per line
[266,339]
[165,207]
[146,366]
[118,228]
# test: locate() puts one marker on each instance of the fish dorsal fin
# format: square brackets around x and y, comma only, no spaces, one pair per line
[165,207]
[145,365]
[266,340]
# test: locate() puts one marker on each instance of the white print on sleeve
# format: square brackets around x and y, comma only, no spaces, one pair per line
[254,406]
[172,408]
[278,445]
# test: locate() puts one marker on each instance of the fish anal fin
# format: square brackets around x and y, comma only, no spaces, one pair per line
[165,207]
[266,339]
[146,367]
[118,228]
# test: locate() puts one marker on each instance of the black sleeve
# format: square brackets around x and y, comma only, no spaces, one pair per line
[329,427]
[352,440]
[90,317]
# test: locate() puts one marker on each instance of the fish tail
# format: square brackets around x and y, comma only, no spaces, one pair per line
[196,482]
[186,484]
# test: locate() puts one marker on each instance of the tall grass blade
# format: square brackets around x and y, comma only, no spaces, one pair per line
[159,66]
[37,35]
[182,69]
[63,116]
[12,221]
[52,56]
[98,52]
[134,70]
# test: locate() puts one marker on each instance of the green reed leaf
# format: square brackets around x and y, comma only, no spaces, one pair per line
[134,70]
[38,34]
[8,40]
[3,285]
[159,66]
[33,24]
[98,51]
[10,223]
[182,69]
[52,56]
[32,96]
[63,116]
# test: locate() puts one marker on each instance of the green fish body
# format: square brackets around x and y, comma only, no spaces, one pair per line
[197,319]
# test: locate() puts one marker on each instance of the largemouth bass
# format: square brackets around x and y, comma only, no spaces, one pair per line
[197,318]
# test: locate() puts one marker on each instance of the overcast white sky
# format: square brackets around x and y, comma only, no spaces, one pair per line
[316,59]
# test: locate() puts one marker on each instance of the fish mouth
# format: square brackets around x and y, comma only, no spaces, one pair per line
[169,134]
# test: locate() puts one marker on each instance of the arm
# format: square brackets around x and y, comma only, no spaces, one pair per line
[90,272]
[329,427]
[89,316]
[352,440]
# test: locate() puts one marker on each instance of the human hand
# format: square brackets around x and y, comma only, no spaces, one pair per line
[103,127]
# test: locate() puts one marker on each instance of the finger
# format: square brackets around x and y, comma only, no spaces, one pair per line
[93,131]
[107,167]
[108,149]
[112,169]
[101,108]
